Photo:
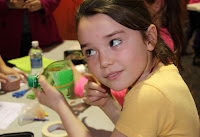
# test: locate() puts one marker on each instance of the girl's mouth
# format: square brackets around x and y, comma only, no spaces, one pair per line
[114,76]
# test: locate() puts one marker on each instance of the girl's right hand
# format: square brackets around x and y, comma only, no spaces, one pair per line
[95,94]
[50,96]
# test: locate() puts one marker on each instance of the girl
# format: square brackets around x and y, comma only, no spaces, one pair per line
[167,15]
[124,50]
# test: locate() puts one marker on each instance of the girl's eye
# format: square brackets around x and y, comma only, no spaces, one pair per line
[90,52]
[115,42]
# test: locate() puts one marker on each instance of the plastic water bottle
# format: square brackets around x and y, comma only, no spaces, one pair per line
[59,74]
[35,54]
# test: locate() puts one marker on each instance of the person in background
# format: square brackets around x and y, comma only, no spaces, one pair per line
[193,27]
[5,70]
[124,50]
[167,16]
[22,21]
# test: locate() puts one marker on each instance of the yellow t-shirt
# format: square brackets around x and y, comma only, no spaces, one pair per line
[160,106]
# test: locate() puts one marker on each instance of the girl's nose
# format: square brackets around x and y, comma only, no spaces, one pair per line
[106,59]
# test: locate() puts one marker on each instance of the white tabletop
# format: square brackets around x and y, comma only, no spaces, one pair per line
[57,52]
[97,122]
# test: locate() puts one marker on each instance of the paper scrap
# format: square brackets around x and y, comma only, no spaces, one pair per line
[8,113]
[24,64]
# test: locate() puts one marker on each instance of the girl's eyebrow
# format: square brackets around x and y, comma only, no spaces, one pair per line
[107,36]
[113,33]
[83,46]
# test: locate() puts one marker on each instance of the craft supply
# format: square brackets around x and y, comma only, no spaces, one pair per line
[39,119]
[31,112]
[59,74]
[13,84]
[20,93]
[36,119]
[31,95]
[52,126]
[8,113]
[26,67]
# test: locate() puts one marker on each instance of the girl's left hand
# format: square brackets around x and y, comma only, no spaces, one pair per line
[50,96]
[33,5]
[94,92]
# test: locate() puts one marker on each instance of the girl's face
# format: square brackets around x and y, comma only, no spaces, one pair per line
[116,55]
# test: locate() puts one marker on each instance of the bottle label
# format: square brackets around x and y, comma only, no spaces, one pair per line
[36,62]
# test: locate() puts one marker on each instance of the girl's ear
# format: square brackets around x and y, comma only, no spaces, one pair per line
[151,37]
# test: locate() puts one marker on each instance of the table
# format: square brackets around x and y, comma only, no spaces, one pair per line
[97,122]
[194,7]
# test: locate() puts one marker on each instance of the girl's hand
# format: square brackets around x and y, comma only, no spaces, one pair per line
[50,96]
[94,93]
[98,95]
[32,5]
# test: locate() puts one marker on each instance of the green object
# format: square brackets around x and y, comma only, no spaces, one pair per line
[24,64]
[31,95]
[33,81]
[59,75]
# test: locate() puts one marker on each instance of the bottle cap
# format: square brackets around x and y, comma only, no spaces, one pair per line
[32,81]
[35,43]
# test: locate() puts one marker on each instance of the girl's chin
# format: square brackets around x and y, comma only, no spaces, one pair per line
[116,86]
[117,89]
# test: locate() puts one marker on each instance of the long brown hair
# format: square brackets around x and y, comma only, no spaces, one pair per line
[171,18]
[131,13]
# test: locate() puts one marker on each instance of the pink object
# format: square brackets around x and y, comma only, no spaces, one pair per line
[119,96]
[193,1]
[79,86]
[167,38]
